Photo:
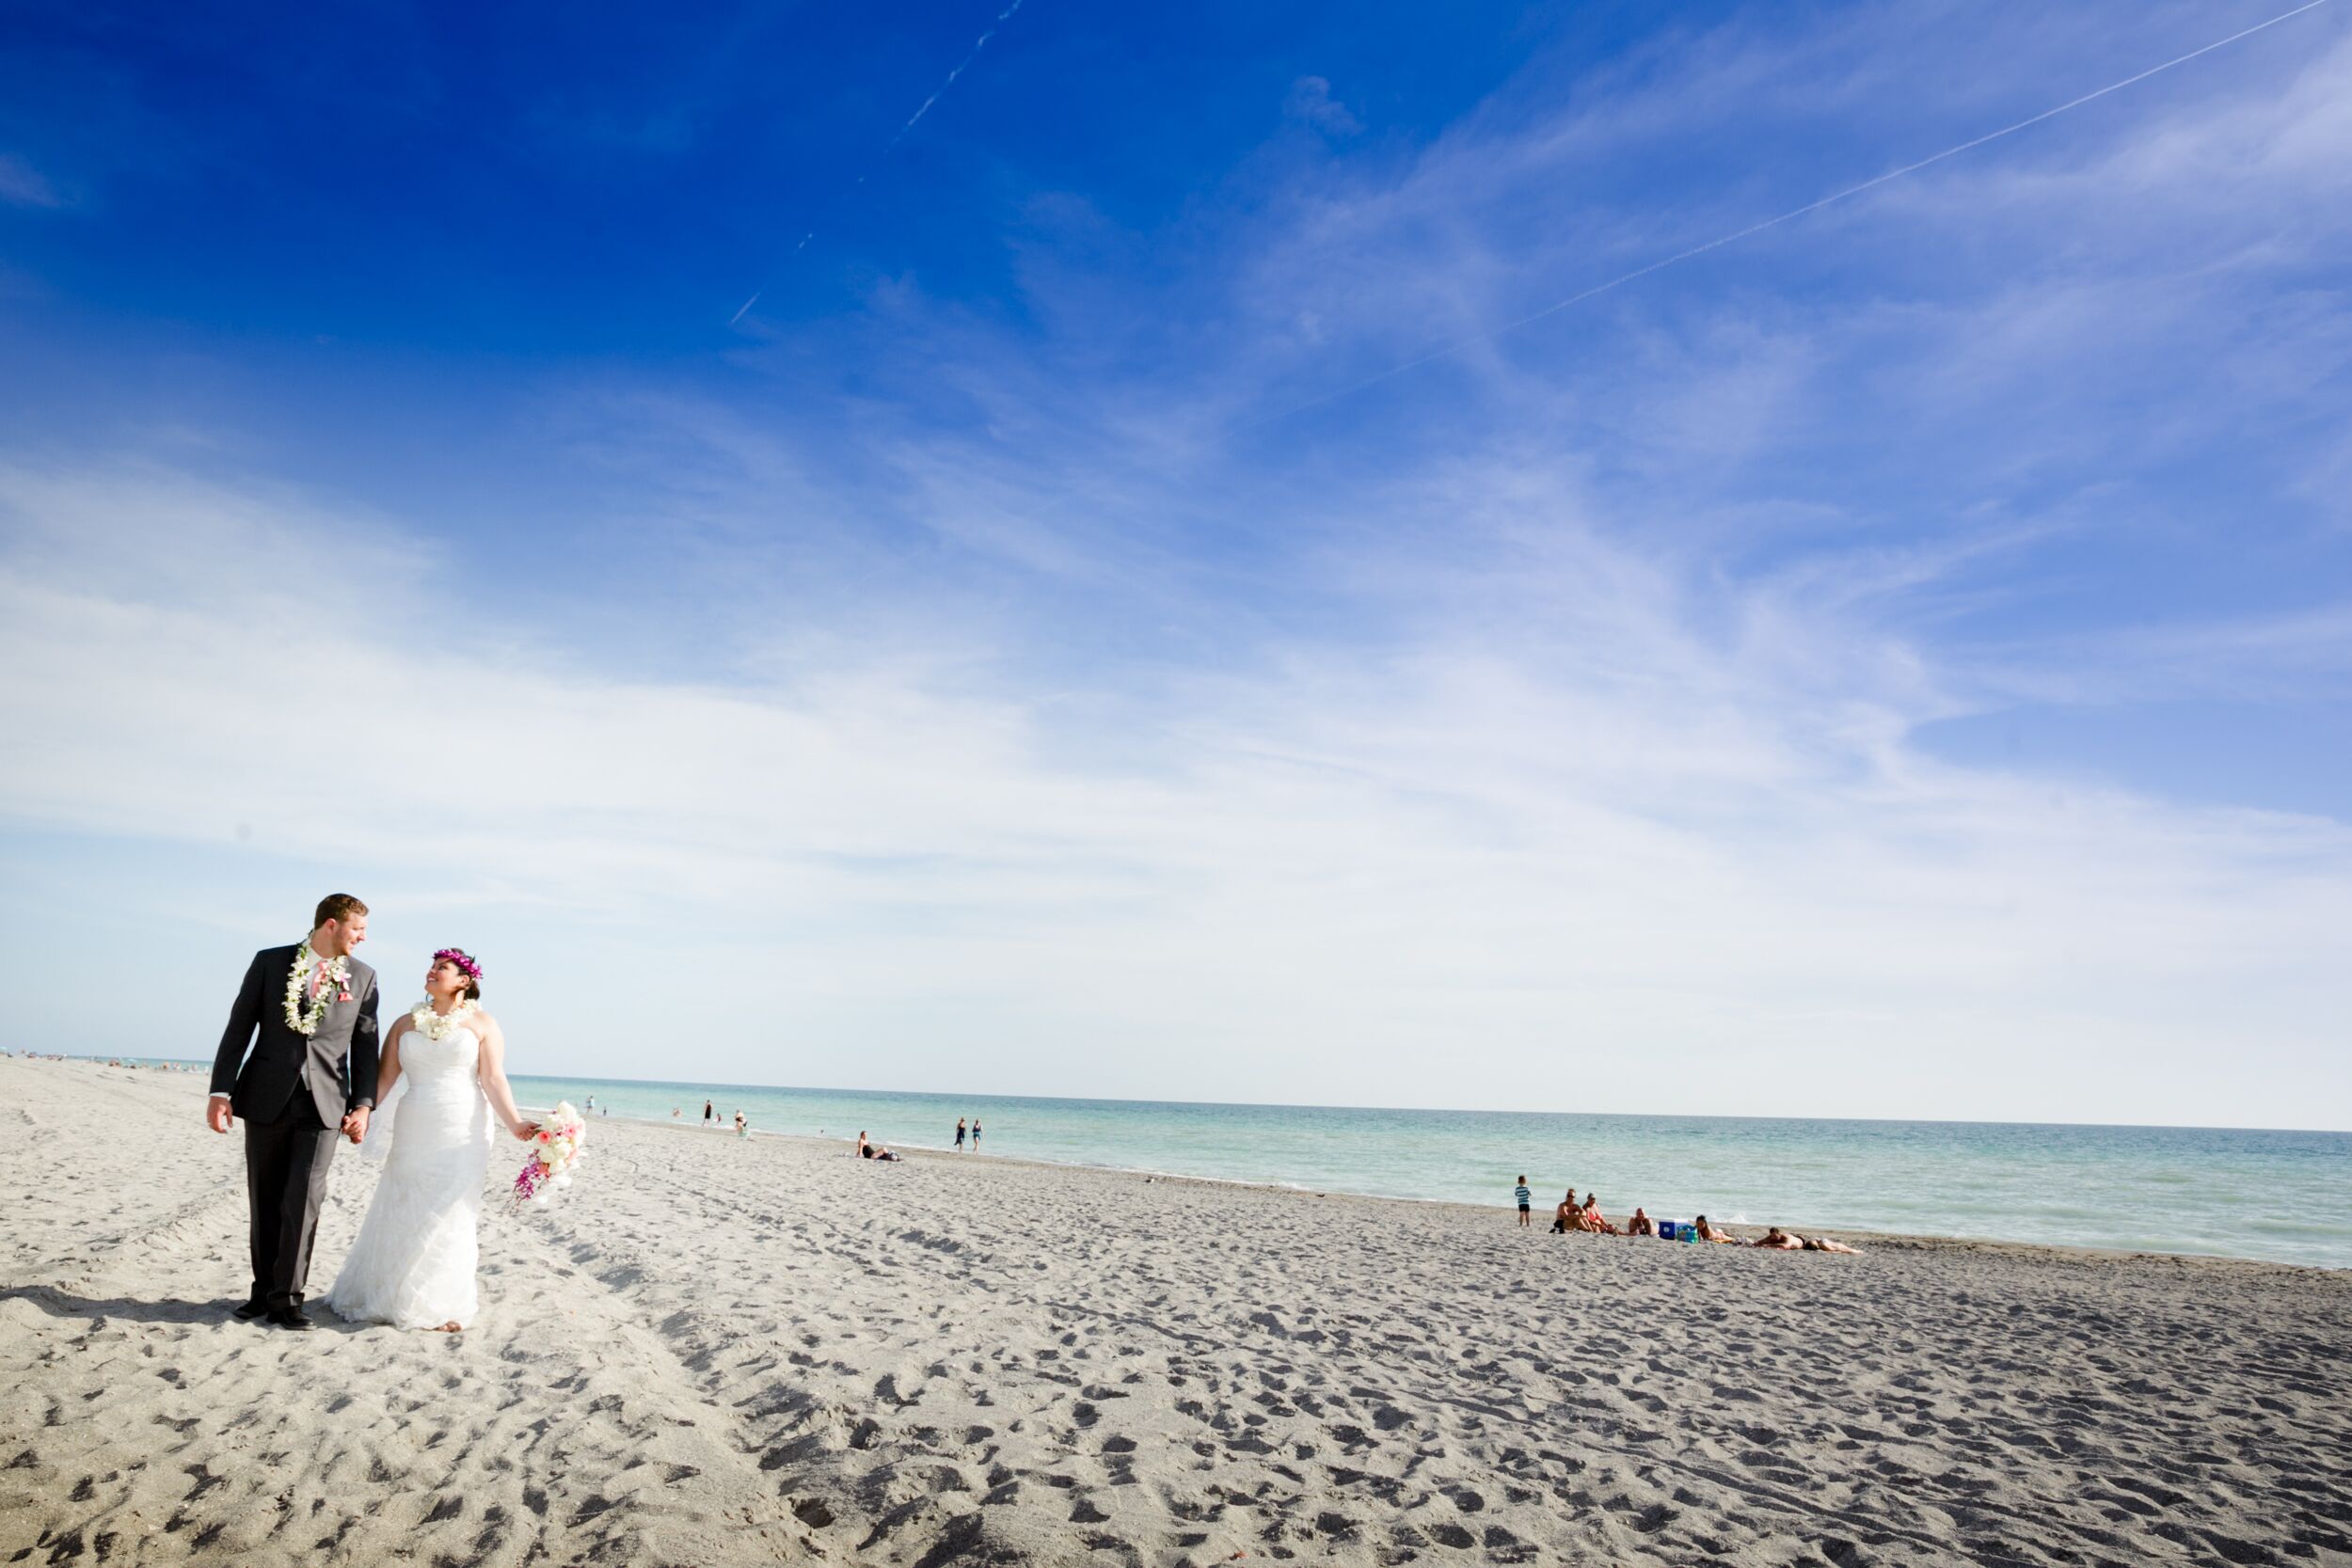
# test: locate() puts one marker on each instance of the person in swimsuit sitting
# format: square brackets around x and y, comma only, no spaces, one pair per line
[1589,1217]
[865,1150]
[1640,1224]
[1563,1217]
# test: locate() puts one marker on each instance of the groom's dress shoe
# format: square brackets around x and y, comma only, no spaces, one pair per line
[247,1310]
[289,1317]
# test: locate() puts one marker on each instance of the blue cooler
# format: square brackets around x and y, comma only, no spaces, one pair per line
[1667,1231]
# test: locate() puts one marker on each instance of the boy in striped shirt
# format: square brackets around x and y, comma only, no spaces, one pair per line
[1525,1197]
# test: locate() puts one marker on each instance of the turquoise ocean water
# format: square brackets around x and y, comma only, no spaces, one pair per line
[2282,1196]
[2271,1194]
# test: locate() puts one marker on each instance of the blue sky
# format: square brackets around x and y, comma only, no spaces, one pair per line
[1017,599]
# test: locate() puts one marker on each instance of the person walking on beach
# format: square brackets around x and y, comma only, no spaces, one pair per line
[976,1134]
[958,1134]
[414,1262]
[1527,1197]
[307,1013]
[710,1115]
[742,1127]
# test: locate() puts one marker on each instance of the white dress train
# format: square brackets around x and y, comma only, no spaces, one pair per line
[413,1265]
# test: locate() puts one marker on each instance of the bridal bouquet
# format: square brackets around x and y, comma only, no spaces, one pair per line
[554,1150]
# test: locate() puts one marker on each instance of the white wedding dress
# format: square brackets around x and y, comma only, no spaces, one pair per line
[413,1265]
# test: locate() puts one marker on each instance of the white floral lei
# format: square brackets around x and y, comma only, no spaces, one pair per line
[439,1027]
[304,1019]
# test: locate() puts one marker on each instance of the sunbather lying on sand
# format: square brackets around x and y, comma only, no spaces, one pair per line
[1709,1233]
[1788,1240]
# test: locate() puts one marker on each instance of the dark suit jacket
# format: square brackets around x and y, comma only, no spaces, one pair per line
[337,1064]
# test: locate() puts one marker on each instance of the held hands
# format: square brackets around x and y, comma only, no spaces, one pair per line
[355,1123]
[216,1114]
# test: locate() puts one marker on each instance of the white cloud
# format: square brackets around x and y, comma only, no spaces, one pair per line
[1539,854]
[1311,103]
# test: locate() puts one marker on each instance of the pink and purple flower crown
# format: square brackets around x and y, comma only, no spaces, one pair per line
[463,959]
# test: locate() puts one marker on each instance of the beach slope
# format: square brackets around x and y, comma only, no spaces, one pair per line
[713,1350]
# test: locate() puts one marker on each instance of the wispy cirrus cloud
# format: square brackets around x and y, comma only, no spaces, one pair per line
[1534,800]
[24,185]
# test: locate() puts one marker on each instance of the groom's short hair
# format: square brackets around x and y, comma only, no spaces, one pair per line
[337,906]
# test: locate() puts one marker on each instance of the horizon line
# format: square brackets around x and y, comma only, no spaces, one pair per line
[1303,1106]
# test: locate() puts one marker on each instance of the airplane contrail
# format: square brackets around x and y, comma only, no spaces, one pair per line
[981,42]
[1754,229]
[925,107]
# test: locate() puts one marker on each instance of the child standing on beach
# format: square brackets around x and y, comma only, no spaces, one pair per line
[1525,1197]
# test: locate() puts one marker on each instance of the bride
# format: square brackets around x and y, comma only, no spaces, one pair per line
[413,1265]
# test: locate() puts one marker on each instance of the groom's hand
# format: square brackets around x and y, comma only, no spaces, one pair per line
[216,1114]
[355,1123]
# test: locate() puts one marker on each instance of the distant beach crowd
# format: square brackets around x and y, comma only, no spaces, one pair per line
[965,1126]
[1572,1218]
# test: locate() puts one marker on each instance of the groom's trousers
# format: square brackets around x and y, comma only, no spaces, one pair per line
[285,1177]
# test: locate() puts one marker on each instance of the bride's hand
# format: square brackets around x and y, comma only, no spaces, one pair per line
[526,1131]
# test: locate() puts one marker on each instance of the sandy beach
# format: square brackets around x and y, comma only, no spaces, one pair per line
[713,1350]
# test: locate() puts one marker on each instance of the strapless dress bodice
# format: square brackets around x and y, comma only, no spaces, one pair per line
[442,1067]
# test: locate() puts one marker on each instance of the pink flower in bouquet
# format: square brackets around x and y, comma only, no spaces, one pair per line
[555,1150]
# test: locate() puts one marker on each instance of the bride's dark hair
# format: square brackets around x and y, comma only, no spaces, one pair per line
[468,962]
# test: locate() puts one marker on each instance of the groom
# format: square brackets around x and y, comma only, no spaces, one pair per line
[312,1075]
